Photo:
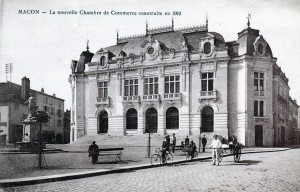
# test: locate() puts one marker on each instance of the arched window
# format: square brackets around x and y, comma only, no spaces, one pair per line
[207,48]
[151,120]
[103,122]
[172,118]
[207,119]
[102,61]
[131,119]
[255,108]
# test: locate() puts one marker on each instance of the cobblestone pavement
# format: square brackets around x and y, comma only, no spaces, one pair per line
[276,171]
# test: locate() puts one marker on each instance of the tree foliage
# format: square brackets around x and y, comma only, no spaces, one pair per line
[39,117]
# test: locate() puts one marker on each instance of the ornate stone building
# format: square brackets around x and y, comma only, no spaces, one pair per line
[176,81]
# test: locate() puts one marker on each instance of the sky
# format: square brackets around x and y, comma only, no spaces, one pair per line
[41,46]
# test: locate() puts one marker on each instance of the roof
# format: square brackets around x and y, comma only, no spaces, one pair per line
[168,40]
[11,91]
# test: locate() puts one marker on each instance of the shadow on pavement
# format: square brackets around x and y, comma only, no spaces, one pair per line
[243,162]
[117,162]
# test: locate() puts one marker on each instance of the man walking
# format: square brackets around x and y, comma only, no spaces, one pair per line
[94,152]
[215,145]
[204,141]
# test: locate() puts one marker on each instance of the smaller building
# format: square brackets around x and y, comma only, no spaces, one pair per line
[13,111]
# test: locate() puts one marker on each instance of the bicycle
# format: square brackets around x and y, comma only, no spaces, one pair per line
[158,157]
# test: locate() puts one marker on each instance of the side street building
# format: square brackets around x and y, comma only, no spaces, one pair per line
[13,111]
[180,80]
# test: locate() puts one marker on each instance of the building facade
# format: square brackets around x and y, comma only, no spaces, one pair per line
[13,111]
[177,81]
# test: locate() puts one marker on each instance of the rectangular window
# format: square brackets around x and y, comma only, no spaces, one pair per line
[46,109]
[207,81]
[258,81]
[150,85]
[102,89]
[172,84]
[258,108]
[58,112]
[131,87]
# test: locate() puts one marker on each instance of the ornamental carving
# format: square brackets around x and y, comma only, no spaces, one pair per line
[151,50]
[184,53]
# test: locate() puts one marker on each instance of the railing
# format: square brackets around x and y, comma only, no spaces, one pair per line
[172,96]
[131,98]
[102,100]
[259,93]
[207,95]
[151,97]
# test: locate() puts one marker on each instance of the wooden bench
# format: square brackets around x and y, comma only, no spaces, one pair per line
[178,147]
[112,151]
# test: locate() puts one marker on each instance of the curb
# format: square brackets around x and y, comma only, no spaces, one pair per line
[79,175]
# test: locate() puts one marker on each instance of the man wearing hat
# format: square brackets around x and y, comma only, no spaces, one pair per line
[173,143]
[165,147]
[215,145]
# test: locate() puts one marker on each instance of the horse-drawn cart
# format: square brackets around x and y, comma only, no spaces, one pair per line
[234,149]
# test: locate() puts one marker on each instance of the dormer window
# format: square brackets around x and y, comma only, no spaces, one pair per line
[260,48]
[207,48]
[102,61]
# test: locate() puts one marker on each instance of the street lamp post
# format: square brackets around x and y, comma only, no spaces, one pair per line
[200,128]
[149,144]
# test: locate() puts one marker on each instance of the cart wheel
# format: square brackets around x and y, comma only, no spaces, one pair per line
[187,156]
[169,158]
[220,155]
[195,154]
[155,159]
[237,155]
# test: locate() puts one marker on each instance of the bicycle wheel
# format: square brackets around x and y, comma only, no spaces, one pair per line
[237,155]
[169,158]
[155,159]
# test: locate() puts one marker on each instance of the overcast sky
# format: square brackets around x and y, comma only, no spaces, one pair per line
[41,46]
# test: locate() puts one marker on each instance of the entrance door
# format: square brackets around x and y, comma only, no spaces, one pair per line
[103,122]
[151,120]
[259,135]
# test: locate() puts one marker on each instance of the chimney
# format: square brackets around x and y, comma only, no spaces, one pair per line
[42,90]
[54,95]
[25,88]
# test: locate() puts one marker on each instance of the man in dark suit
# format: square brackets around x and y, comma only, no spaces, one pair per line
[204,141]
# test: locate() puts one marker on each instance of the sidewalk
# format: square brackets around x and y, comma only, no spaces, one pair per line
[73,163]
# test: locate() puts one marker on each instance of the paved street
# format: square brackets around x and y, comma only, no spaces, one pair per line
[275,171]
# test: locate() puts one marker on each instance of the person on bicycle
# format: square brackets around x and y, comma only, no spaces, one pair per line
[215,145]
[165,148]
